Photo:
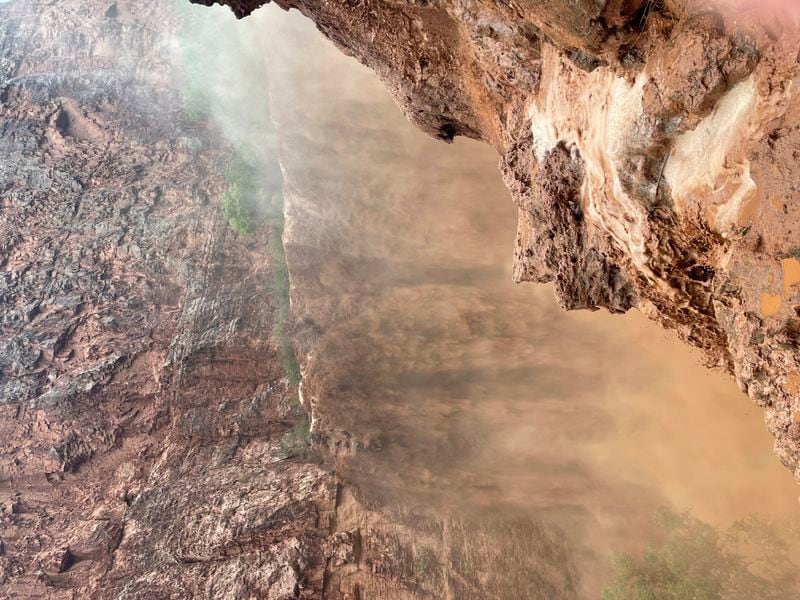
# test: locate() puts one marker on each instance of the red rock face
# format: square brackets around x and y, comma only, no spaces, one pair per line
[142,406]
[651,156]
[649,147]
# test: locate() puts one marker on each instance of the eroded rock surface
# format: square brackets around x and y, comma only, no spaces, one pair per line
[650,151]
[142,406]
[144,410]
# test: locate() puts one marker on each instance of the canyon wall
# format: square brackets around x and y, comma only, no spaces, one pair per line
[650,148]
[144,411]
[147,423]
[142,406]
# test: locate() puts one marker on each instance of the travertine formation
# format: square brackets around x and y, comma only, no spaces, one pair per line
[650,147]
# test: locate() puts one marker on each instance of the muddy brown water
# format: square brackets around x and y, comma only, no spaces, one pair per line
[468,394]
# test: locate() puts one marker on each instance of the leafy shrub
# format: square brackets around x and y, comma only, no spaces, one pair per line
[695,561]
[239,213]
[297,442]
[243,203]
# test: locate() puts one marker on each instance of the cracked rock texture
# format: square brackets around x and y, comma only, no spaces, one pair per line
[141,404]
[652,153]
[143,409]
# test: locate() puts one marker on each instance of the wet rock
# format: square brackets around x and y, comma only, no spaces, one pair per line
[652,154]
[143,402]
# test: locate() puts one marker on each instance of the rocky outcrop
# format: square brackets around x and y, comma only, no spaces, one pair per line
[143,409]
[142,406]
[650,147]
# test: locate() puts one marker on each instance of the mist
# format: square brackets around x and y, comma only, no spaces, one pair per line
[438,387]
[260,339]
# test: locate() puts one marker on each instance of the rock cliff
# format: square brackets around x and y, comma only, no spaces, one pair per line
[649,145]
[141,404]
[143,409]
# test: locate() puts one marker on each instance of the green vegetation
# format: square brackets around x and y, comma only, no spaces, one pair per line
[297,442]
[237,209]
[254,196]
[248,205]
[696,561]
[252,204]
[244,203]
